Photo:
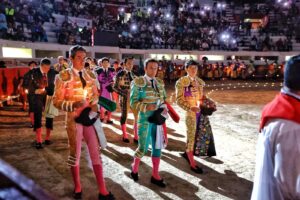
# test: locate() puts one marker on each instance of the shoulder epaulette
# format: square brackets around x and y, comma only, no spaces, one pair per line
[139,81]
[121,73]
[200,81]
[160,82]
[91,74]
[111,69]
[184,81]
[99,70]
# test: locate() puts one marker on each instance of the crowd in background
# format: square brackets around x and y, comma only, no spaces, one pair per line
[171,71]
[180,24]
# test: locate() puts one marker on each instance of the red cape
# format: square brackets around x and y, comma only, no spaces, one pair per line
[283,107]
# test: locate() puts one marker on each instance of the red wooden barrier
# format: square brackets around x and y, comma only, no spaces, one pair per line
[9,80]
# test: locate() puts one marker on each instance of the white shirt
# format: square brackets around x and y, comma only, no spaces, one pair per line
[277,173]
[77,71]
[192,79]
[148,78]
[105,69]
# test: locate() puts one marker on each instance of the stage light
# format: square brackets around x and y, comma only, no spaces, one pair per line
[133,27]
[206,8]
[202,12]
[225,36]
[191,5]
[157,26]
[233,41]
[122,9]
[223,5]
[219,5]
[168,15]
[286,4]
[149,10]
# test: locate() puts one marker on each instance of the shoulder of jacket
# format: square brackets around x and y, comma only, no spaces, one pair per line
[35,70]
[200,81]
[121,73]
[139,81]
[111,69]
[184,81]
[99,70]
[160,82]
[65,75]
[90,73]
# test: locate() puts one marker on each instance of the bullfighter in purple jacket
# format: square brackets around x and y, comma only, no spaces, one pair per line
[105,78]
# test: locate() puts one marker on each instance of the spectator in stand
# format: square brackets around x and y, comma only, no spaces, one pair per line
[11,32]
[20,33]
[3,25]
[279,45]
[10,12]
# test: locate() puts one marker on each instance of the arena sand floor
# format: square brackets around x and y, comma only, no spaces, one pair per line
[229,175]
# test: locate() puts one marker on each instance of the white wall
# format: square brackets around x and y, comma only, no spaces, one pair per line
[105,49]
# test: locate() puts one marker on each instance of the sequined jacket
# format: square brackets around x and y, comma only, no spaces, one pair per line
[105,79]
[122,82]
[143,94]
[188,92]
[68,89]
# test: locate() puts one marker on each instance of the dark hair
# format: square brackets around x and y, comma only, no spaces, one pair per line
[149,60]
[292,73]
[88,58]
[32,62]
[104,59]
[128,58]
[74,49]
[45,61]
[189,63]
[86,64]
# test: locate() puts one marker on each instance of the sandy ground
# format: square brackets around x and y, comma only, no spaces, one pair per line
[229,175]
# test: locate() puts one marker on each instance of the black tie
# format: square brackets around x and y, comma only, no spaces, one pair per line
[83,82]
[152,83]
[106,74]
[130,76]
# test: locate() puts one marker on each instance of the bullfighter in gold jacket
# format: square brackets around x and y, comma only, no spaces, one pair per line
[76,92]
[189,91]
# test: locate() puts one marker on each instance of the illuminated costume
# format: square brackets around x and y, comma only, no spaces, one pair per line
[188,94]
[143,93]
[71,86]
